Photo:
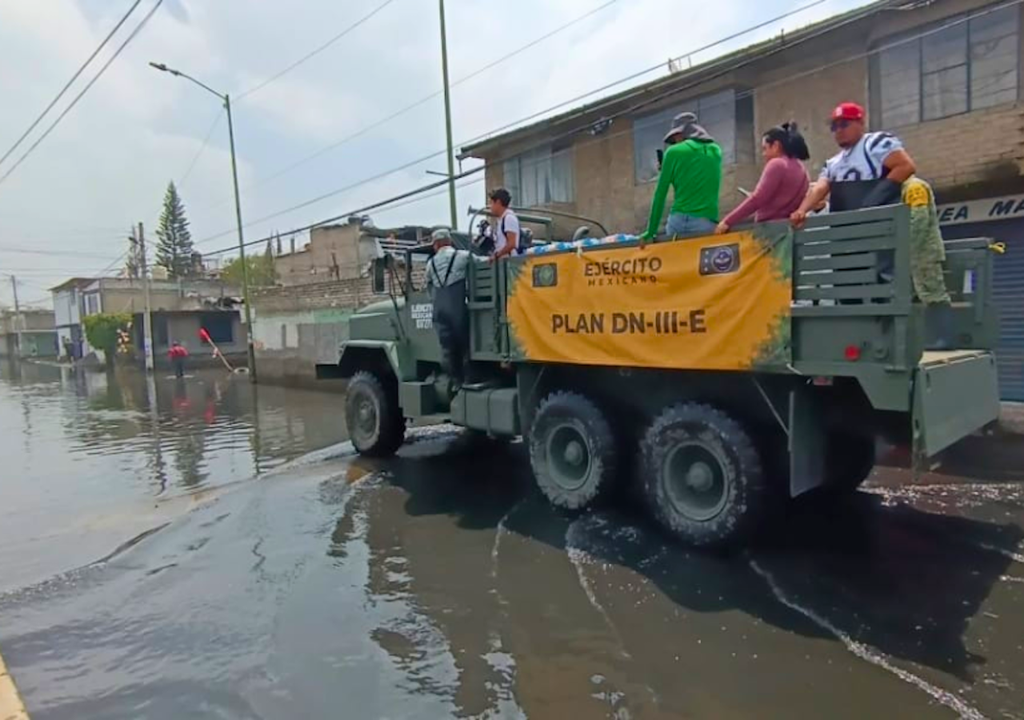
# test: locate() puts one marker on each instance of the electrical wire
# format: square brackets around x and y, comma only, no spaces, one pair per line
[314,53]
[490,133]
[202,148]
[70,82]
[102,70]
[783,46]
[425,99]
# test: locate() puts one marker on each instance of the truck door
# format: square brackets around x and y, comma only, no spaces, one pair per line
[488,329]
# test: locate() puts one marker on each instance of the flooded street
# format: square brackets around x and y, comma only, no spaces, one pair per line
[264,582]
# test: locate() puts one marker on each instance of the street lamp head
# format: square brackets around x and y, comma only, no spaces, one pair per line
[159,66]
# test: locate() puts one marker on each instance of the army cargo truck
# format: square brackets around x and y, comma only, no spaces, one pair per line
[716,373]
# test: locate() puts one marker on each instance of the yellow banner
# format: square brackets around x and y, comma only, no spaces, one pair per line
[711,303]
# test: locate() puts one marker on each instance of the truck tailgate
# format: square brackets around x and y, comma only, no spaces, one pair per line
[955,394]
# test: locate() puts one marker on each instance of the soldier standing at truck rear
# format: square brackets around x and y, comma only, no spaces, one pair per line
[927,253]
[446,278]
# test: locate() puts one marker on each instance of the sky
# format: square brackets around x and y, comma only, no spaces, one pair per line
[67,209]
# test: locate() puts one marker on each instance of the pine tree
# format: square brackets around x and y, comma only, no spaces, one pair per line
[174,241]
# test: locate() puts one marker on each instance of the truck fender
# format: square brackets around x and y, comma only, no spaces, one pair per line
[379,357]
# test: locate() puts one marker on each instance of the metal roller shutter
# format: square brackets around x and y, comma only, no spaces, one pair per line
[1008,292]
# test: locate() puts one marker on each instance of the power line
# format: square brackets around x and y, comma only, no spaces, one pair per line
[508,126]
[78,97]
[427,98]
[55,253]
[70,82]
[854,17]
[312,54]
[202,148]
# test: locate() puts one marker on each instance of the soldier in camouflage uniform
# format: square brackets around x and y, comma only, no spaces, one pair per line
[927,253]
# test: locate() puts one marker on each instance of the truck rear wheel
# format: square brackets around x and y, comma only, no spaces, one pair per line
[374,420]
[573,451]
[702,476]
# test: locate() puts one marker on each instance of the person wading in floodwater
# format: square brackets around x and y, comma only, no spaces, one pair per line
[178,354]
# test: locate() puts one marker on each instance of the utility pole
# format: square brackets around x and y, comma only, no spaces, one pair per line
[147,316]
[17,318]
[448,121]
[241,246]
[224,98]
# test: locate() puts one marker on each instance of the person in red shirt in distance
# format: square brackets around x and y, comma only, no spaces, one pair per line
[178,354]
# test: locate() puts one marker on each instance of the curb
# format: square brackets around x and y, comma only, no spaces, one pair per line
[11,705]
[1011,419]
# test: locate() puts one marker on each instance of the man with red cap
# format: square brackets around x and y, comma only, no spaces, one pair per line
[868,171]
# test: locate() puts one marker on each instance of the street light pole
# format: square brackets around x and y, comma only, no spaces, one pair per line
[238,211]
[448,121]
[241,246]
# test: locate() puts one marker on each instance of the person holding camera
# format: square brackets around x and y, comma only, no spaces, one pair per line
[692,167]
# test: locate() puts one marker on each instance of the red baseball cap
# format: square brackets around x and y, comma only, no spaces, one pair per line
[848,111]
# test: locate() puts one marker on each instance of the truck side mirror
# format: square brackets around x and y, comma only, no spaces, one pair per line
[379,272]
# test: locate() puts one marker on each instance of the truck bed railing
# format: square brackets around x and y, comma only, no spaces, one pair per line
[853,263]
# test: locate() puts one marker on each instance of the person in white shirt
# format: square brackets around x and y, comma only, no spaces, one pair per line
[869,169]
[506,231]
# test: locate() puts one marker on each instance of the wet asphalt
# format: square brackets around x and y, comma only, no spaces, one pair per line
[438,584]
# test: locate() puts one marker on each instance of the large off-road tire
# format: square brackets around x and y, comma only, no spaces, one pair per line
[374,420]
[702,476]
[573,451]
[849,462]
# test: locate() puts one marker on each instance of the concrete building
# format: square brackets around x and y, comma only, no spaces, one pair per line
[944,76]
[334,252]
[27,334]
[180,309]
[300,324]
[68,309]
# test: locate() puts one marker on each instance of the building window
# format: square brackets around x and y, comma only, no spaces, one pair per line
[220,326]
[92,304]
[726,115]
[540,177]
[948,71]
[163,332]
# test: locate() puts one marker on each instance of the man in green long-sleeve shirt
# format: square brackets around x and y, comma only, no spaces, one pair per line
[692,165]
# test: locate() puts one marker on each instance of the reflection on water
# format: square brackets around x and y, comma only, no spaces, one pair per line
[80,445]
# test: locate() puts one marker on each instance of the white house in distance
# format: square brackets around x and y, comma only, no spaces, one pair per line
[68,311]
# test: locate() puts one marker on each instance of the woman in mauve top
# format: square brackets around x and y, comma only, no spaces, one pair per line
[783,184]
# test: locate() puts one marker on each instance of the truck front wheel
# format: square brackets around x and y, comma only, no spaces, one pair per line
[702,476]
[374,419]
[573,451]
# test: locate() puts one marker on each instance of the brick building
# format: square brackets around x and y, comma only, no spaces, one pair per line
[943,75]
[334,252]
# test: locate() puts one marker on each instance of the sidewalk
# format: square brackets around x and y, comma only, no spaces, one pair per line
[11,706]
[1011,419]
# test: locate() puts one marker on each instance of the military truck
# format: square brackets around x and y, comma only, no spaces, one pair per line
[716,374]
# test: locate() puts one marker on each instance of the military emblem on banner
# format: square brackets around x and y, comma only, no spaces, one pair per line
[720,259]
[545,275]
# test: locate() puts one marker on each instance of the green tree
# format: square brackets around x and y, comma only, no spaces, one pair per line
[104,330]
[174,241]
[262,272]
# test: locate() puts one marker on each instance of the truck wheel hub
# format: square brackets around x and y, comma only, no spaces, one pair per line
[574,453]
[696,481]
[700,477]
[568,457]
